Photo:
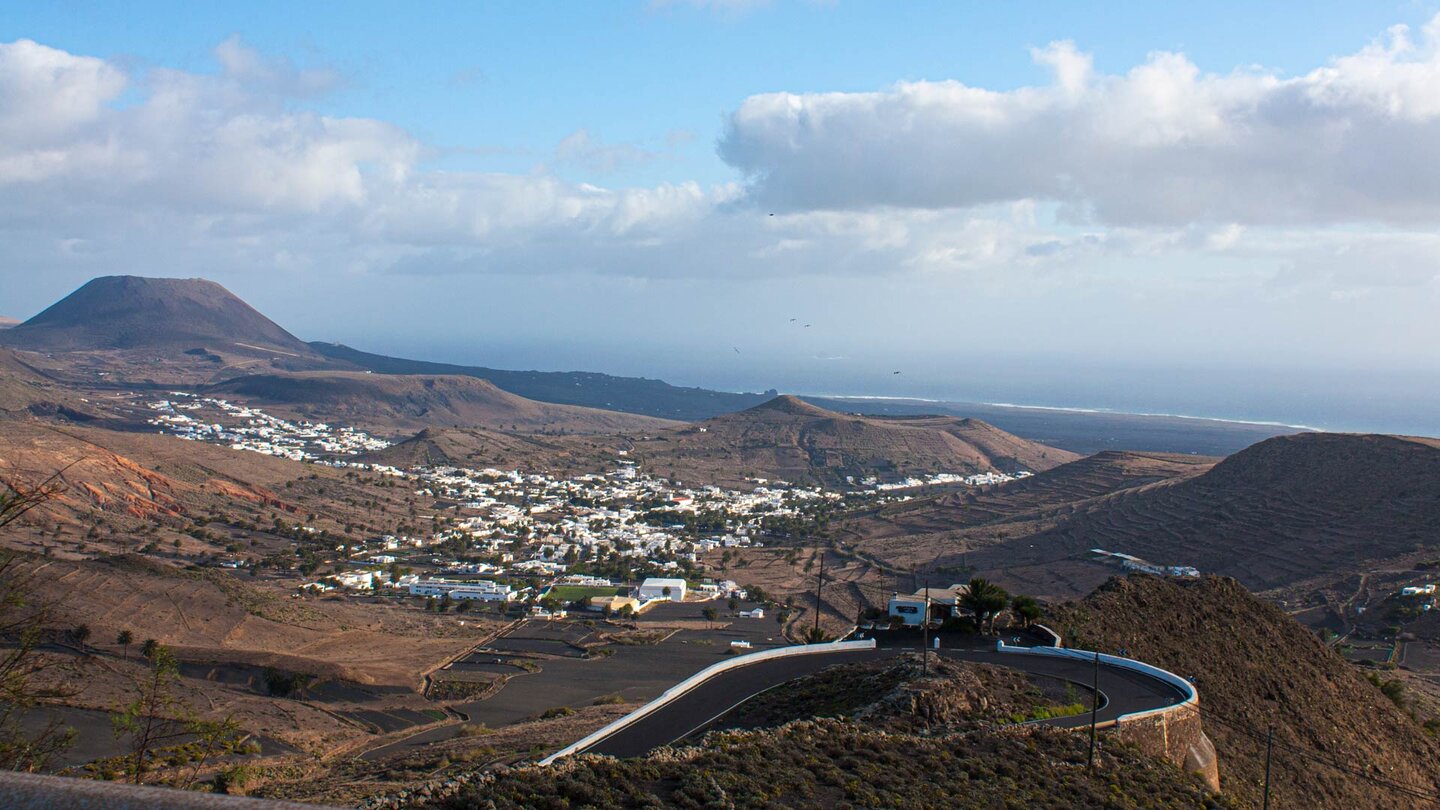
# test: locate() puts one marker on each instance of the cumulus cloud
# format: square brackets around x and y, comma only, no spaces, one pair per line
[939,180]
[1163,144]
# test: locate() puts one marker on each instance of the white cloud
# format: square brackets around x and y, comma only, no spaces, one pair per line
[277,75]
[584,149]
[1163,144]
[47,94]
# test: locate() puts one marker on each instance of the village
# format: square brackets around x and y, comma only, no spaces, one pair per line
[529,543]
[242,428]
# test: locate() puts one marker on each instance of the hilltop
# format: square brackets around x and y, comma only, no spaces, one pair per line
[1308,508]
[1298,513]
[1046,494]
[389,403]
[1254,666]
[899,738]
[790,439]
[131,312]
[480,448]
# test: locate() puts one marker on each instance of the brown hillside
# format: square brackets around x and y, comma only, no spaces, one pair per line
[471,447]
[1036,497]
[793,440]
[142,476]
[389,402]
[1254,666]
[209,615]
[25,392]
[1288,510]
[128,312]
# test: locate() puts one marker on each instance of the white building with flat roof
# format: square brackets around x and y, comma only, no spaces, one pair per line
[482,590]
[662,588]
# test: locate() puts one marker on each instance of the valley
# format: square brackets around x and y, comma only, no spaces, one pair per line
[420,577]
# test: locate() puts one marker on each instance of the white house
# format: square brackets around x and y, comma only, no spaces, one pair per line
[910,609]
[757,613]
[483,590]
[662,588]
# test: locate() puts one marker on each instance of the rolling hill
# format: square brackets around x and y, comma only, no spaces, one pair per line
[478,448]
[1051,493]
[131,312]
[389,403]
[1339,741]
[1302,512]
[790,439]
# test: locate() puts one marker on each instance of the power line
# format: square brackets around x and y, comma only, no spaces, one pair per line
[1261,737]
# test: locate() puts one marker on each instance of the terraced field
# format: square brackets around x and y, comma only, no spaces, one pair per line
[1298,509]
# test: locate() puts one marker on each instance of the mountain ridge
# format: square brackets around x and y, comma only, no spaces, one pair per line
[409,402]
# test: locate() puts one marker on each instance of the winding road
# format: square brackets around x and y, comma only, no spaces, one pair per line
[1123,691]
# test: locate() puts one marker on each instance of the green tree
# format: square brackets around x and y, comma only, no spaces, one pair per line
[710,614]
[984,600]
[125,639]
[149,648]
[1026,608]
[27,678]
[816,635]
[157,719]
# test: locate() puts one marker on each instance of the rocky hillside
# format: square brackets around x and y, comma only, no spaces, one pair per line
[1340,742]
[387,403]
[906,741]
[128,312]
[790,439]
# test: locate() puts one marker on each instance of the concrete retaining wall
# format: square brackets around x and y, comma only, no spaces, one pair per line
[1172,732]
[700,677]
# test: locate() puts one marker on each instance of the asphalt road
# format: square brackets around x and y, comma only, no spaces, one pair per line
[1122,692]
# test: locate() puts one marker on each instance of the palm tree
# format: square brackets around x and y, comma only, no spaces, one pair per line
[125,639]
[985,600]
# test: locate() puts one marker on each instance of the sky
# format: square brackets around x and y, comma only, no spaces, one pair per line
[1221,209]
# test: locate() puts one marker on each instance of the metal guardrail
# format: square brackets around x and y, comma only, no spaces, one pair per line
[1180,684]
[701,677]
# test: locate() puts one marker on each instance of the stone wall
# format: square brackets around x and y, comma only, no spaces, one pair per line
[1176,735]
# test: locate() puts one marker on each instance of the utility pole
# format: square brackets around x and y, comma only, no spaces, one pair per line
[1269,746]
[1094,711]
[819,583]
[925,634]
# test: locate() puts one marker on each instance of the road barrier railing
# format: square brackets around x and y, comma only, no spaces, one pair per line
[1184,687]
[699,678]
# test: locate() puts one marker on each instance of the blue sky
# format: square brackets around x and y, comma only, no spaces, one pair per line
[517,78]
[1226,208]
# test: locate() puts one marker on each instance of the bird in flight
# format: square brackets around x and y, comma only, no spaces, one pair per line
[792,320]
[737,351]
[807,326]
[894,372]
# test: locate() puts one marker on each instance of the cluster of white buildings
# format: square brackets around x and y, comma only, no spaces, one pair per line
[244,428]
[1130,562]
[874,484]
